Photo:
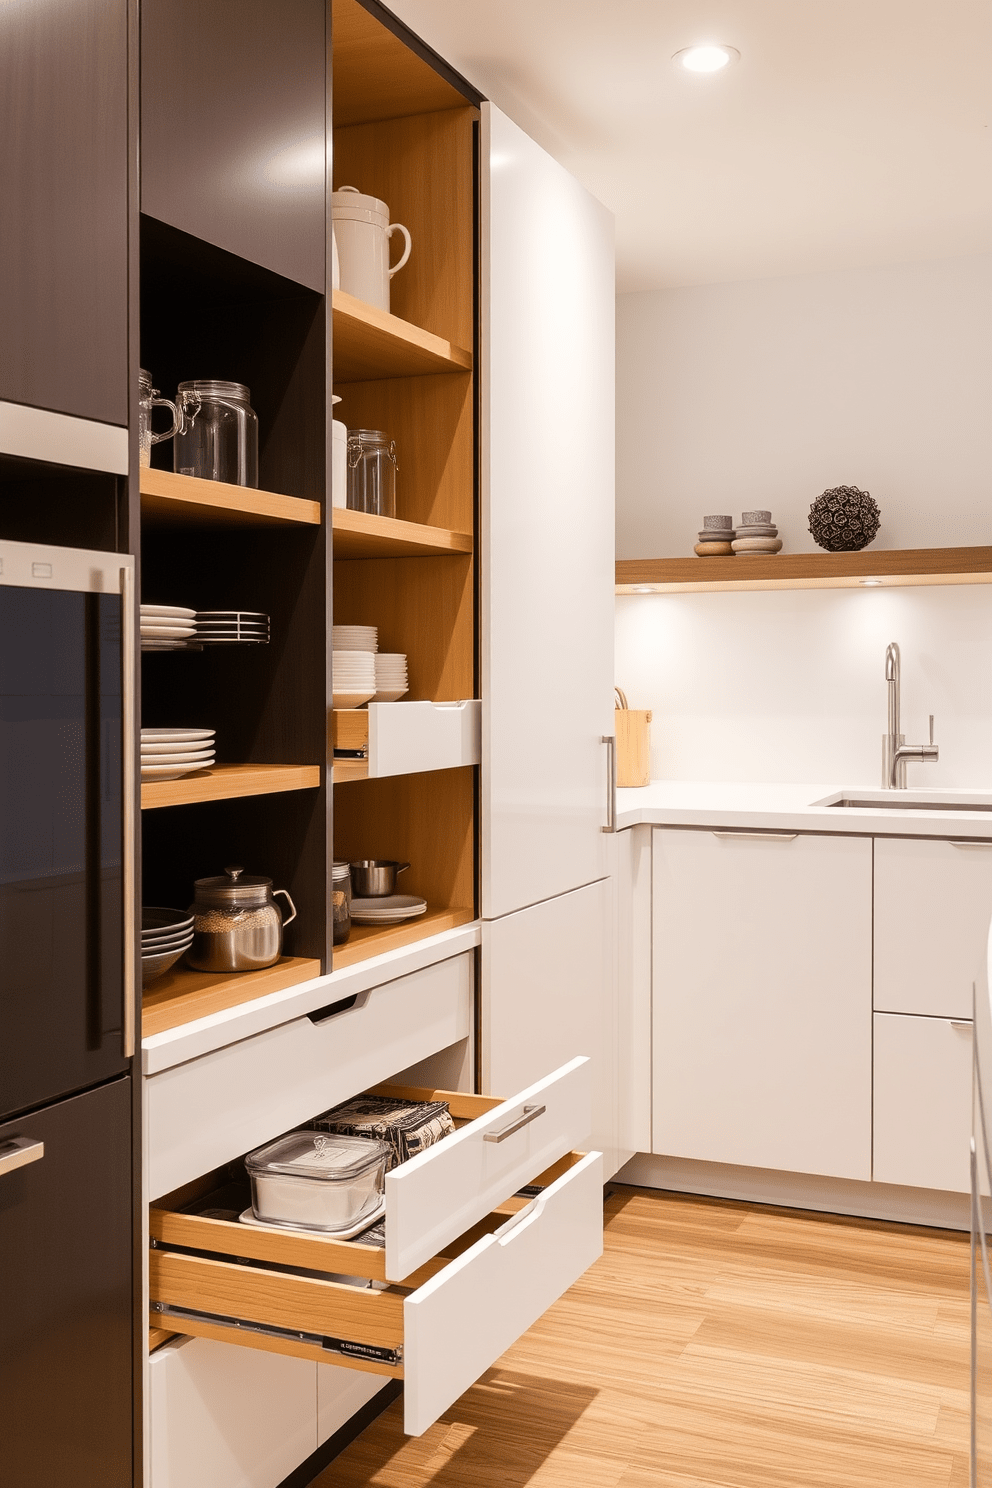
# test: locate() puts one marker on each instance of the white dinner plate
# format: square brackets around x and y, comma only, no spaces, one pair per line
[172,736]
[366,918]
[169,772]
[176,612]
[166,632]
[198,761]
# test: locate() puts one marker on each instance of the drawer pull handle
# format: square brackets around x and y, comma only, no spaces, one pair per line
[18,1152]
[970,842]
[530,1113]
[332,1009]
[764,836]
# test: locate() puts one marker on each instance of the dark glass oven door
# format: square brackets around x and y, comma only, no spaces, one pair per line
[61,798]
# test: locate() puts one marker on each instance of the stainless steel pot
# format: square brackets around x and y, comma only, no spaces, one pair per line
[372,878]
[237,925]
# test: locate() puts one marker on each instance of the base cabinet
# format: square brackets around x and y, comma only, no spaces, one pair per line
[762,1000]
[922,1105]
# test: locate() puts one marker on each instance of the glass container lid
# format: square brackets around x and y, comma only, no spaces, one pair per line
[309,1154]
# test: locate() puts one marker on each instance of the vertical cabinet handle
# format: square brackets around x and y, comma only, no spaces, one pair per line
[611,782]
[127,804]
[18,1152]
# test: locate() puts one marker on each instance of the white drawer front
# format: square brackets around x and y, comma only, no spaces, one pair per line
[922,1102]
[460,1322]
[437,1196]
[405,738]
[204,1113]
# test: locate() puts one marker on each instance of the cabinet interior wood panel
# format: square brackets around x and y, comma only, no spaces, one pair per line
[922,1102]
[376,75]
[762,1001]
[933,902]
[232,128]
[64,195]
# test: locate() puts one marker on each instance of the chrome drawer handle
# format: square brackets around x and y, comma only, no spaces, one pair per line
[530,1114]
[970,843]
[764,836]
[18,1152]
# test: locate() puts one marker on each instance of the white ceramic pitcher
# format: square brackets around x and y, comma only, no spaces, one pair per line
[362,231]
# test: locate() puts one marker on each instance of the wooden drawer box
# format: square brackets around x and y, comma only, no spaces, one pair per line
[478,1264]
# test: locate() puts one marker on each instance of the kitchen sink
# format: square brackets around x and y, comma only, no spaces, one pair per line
[898,800]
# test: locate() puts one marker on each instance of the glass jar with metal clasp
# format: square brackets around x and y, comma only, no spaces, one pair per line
[218,433]
[372,471]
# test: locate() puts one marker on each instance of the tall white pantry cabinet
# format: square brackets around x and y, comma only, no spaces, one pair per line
[548,295]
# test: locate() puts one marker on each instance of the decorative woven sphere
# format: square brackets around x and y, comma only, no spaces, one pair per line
[844,519]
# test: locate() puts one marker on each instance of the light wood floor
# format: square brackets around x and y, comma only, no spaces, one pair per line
[716,1344]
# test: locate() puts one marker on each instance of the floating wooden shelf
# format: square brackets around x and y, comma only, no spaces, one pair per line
[371,940]
[362,535]
[894,567]
[167,498]
[183,995]
[371,344]
[223,782]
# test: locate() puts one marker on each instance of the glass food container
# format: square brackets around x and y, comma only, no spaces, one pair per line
[315,1182]
[148,399]
[237,925]
[218,432]
[341,901]
[372,471]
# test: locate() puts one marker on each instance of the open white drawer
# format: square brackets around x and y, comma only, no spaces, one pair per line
[406,737]
[498,1260]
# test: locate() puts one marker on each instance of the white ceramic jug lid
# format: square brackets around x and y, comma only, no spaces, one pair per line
[349,203]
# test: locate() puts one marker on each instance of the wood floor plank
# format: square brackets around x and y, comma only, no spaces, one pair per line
[716,1345]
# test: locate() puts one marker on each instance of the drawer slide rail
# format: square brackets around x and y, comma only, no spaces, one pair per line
[348,1348]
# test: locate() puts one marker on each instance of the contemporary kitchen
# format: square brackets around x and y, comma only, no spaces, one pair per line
[495,737]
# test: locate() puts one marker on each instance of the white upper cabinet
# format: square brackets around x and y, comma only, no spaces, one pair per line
[762,1000]
[547,348]
[933,901]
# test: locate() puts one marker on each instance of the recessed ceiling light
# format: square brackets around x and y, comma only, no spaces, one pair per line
[708,58]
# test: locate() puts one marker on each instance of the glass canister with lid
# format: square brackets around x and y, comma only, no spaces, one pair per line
[372,471]
[341,901]
[218,432]
[237,925]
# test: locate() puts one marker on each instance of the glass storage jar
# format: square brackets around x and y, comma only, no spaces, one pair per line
[341,901]
[237,925]
[218,432]
[372,471]
[148,399]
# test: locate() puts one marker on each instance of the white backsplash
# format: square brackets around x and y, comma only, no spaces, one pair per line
[790,686]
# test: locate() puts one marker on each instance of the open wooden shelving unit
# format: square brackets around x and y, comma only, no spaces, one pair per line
[363,535]
[228,783]
[373,940]
[167,498]
[891,567]
[183,995]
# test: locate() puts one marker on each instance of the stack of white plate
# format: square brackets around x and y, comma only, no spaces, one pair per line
[167,754]
[391,680]
[166,936]
[166,627]
[353,678]
[388,909]
[232,628]
[355,637]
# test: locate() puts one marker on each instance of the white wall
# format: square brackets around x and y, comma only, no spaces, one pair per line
[763,394]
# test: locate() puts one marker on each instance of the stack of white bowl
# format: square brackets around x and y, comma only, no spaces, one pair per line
[391,681]
[168,754]
[353,664]
[166,627]
[166,936]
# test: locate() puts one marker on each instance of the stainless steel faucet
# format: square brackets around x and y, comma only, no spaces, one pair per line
[895,752]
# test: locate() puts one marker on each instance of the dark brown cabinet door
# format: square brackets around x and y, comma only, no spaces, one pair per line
[233,127]
[63,206]
[65,1294]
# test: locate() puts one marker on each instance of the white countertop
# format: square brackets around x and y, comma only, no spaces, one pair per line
[794,808]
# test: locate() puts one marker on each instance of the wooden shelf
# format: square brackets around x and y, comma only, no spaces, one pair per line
[894,567]
[224,782]
[350,769]
[361,535]
[170,499]
[371,344]
[183,995]
[372,940]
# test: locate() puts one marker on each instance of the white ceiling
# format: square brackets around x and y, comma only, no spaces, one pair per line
[851,132]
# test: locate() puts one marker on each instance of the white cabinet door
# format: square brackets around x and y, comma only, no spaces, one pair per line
[227,1417]
[548,297]
[922,1107]
[632,895]
[762,1000]
[548,994]
[933,902]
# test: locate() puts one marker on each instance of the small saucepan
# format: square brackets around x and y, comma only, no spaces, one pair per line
[372,878]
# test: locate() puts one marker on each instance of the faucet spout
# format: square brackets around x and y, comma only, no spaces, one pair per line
[893,671]
[895,750]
